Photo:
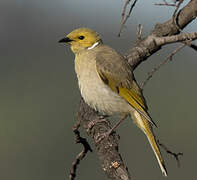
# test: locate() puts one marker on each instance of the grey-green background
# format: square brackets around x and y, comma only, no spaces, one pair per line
[39,94]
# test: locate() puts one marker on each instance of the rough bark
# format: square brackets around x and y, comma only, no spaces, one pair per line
[107,149]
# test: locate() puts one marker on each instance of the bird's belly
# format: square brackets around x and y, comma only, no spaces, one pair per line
[99,96]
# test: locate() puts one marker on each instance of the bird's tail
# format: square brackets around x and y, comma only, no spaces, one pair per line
[146,127]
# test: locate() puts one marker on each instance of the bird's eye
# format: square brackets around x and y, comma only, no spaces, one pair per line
[81,37]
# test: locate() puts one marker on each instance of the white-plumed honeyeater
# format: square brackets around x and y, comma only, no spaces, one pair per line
[107,83]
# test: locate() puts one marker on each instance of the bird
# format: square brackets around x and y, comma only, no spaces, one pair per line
[107,83]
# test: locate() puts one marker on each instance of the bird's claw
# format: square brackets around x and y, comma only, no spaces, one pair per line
[103,136]
[101,119]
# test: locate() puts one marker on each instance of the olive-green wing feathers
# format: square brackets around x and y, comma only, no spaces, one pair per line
[116,72]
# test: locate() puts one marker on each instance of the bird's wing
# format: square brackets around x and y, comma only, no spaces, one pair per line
[116,72]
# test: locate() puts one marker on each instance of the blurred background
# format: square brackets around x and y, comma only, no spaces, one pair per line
[39,94]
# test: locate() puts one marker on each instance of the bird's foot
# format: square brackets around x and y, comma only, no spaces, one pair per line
[101,119]
[104,135]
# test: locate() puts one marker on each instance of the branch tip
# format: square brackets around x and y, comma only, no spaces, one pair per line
[175,155]
[82,154]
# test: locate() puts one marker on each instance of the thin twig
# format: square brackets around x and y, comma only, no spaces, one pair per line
[165,3]
[139,32]
[124,10]
[156,68]
[82,154]
[176,155]
[124,19]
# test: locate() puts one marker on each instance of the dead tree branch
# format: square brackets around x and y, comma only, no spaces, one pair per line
[156,68]
[175,155]
[125,18]
[165,3]
[82,154]
[145,48]
[107,149]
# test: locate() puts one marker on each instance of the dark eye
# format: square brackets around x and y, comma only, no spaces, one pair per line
[81,37]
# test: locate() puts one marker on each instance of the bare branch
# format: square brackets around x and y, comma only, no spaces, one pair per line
[177,6]
[151,44]
[139,32]
[175,15]
[147,47]
[160,41]
[191,45]
[165,3]
[124,19]
[176,155]
[82,154]
[107,149]
[156,68]
[124,10]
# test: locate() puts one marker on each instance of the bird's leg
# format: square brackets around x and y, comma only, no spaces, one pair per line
[118,123]
[106,134]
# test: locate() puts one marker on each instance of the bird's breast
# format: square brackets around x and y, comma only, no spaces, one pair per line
[94,91]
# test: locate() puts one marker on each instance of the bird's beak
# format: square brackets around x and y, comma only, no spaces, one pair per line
[65,40]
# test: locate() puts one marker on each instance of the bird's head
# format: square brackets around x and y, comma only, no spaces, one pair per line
[81,39]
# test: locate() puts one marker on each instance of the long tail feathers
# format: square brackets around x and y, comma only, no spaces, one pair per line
[145,126]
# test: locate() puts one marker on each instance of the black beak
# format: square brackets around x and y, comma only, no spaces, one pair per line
[65,40]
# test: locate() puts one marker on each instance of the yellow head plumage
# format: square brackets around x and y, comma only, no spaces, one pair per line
[81,39]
